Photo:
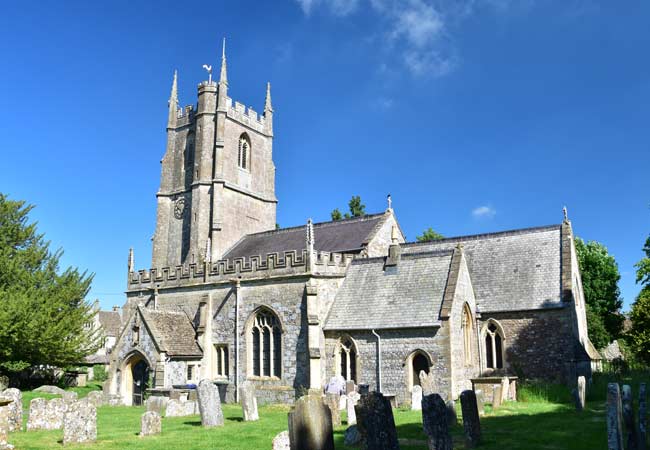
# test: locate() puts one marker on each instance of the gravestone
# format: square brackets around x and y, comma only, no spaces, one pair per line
[70,396]
[15,408]
[582,391]
[435,423]
[505,389]
[37,414]
[513,390]
[614,418]
[80,423]
[49,389]
[343,401]
[55,412]
[281,441]
[452,417]
[480,401]
[427,382]
[496,396]
[416,398]
[333,401]
[352,415]
[628,417]
[375,422]
[352,437]
[310,424]
[177,408]
[156,404]
[336,385]
[349,387]
[4,424]
[248,401]
[643,417]
[364,389]
[471,421]
[96,398]
[4,382]
[209,404]
[150,424]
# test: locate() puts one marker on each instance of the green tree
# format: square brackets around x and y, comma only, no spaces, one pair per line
[336,214]
[429,235]
[42,309]
[600,277]
[639,335]
[357,208]
[643,266]
[597,332]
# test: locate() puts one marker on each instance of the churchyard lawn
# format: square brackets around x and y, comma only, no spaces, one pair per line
[545,419]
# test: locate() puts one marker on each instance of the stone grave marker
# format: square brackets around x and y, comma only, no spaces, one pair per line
[582,391]
[55,412]
[352,415]
[375,422]
[614,418]
[4,382]
[471,421]
[4,422]
[281,441]
[505,389]
[364,389]
[176,408]
[435,423]
[157,404]
[209,404]
[352,437]
[496,396]
[37,414]
[643,418]
[310,424]
[416,398]
[452,417]
[333,401]
[150,424]
[80,423]
[96,398]
[480,401]
[628,417]
[248,401]
[15,408]
[513,391]
[343,401]
[427,382]
[349,387]
[70,396]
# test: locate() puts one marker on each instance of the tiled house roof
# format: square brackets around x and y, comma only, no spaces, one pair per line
[172,331]
[111,321]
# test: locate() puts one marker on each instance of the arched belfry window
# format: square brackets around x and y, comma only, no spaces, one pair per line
[493,341]
[347,360]
[265,343]
[188,157]
[244,153]
[467,329]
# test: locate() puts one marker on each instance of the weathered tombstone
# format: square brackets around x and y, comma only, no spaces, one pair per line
[156,404]
[471,421]
[336,385]
[4,382]
[582,391]
[480,401]
[209,404]
[513,390]
[614,418]
[349,387]
[352,415]
[333,401]
[248,401]
[375,422]
[96,398]
[435,423]
[643,418]
[177,408]
[364,389]
[70,396]
[352,437]
[150,424]
[55,412]
[37,414]
[80,423]
[496,396]
[49,389]
[281,441]
[310,425]
[343,401]
[505,389]
[416,398]
[4,423]
[427,382]
[628,417]
[15,408]
[452,417]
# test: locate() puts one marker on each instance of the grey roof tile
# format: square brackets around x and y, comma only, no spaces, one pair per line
[111,321]
[172,331]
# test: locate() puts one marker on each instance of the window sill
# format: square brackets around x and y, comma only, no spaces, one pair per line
[262,378]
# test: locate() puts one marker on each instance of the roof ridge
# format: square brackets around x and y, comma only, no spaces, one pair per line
[479,236]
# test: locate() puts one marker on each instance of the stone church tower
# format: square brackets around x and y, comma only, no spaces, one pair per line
[218,177]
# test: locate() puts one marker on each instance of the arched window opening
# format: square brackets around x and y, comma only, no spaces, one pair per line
[243,158]
[188,158]
[493,347]
[420,363]
[348,360]
[467,334]
[267,345]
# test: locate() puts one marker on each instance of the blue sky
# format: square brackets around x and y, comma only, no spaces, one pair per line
[476,115]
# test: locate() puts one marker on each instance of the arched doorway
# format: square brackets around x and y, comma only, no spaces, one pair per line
[419,363]
[415,362]
[135,380]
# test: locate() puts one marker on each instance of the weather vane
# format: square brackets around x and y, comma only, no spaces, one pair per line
[209,69]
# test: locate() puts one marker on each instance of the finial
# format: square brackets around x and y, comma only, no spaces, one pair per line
[566,214]
[390,202]
[310,235]
[267,103]
[209,69]
[131,260]
[223,78]
[208,251]
[394,234]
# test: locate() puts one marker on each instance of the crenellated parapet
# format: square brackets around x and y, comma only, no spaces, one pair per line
[288,263]
[247,116]
[184,116]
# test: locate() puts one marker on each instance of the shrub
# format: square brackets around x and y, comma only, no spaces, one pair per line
[99,372]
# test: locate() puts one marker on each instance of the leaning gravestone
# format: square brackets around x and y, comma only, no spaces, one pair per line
[614,418]
[628,417]
[427,382]
[156,404]
[15,408]
[55,412]
[496,396]
[643,418]
[150,424]
[209,404]
[310,424]
[416,398]
[435,423]
[37,414]
[471,421]
[281,441]
[452,417]
[80,423]
[375,422]
[96,398]
[333,401]
[248,401]
[480,401]
[352,415]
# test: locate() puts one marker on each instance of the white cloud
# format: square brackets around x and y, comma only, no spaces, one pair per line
[336,7]
[484,212]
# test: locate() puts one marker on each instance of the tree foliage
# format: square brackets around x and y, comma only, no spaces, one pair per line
[336,214]
[42,309]
[600,277]
[357,209]
[643,266]
[639,335]
[429,235]
[598,334]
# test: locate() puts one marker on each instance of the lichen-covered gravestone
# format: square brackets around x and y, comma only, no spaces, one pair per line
[333,401]
[150,424]
[70,396]
[96,398]
[628,417]
[248,401]
[4,423]
[643,418]
[375,422]
[310,424]
[209,404]
[496,396]
[471,421]
[37,415]
[480,401]
[427,382]
[55,412]
[281,441]
[157,404]
[416,398]
[15,408]
[435,423]
[80,423]
[178,408]
[614,418]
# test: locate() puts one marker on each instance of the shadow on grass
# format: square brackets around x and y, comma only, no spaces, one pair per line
[194,423]
[235,419]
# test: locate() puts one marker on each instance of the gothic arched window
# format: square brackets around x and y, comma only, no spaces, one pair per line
[266,345]
[347,360]
[188,158]
[244,153]
[493,340]
[467,328]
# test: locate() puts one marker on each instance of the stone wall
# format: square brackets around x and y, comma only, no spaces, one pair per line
[381,239]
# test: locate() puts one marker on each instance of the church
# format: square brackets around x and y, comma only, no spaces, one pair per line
[231,298]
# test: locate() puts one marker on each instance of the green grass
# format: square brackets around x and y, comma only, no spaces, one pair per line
[545,421]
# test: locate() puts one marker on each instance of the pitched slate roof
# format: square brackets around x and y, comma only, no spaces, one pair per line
[347,235]
[511,270]
[172,331]
[406,296]
[111,321]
